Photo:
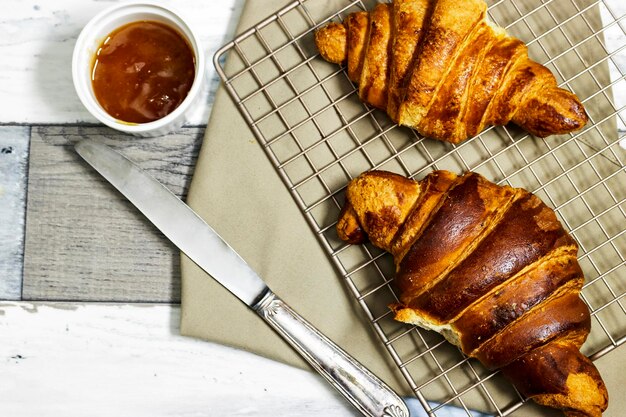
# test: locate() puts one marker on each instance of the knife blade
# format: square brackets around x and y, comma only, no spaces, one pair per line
[193,236]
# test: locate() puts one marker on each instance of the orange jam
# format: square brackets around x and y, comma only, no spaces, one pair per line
[142,71]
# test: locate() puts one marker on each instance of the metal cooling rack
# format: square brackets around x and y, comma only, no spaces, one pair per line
[308,118]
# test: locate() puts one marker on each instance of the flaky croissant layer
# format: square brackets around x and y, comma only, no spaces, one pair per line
[489,267]
[440,67]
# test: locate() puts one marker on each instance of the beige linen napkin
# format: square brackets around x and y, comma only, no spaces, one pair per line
[237,191]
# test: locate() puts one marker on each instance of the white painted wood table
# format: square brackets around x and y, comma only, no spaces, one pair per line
[78,358]
[110,359]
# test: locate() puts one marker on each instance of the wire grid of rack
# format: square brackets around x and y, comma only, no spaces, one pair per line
[308,118]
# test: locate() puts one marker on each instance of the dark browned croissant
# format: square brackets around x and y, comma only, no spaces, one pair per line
[440,67]
[490,268]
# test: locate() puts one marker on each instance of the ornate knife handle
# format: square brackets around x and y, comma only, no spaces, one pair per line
[363,389]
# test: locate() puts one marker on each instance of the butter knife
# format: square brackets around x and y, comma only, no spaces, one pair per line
[209,251]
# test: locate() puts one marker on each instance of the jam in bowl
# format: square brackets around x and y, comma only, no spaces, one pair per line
[139,68]
[142,71]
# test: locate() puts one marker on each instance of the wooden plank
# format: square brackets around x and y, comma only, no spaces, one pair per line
[66,360]
[84,241]
[13,164]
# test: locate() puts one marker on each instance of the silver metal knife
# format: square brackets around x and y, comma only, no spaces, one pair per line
[210,252]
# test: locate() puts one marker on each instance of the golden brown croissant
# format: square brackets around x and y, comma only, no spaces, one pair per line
[490,268]
[440,67]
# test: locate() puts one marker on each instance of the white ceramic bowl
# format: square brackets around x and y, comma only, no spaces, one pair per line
[96,31]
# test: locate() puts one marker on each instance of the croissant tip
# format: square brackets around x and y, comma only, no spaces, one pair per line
[348,228]
[554,113]
[331,42]
[574,386]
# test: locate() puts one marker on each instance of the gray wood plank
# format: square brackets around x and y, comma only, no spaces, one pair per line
[84,241]
[13,165]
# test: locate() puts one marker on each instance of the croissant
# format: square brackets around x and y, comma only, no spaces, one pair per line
[440,67]
[491,269]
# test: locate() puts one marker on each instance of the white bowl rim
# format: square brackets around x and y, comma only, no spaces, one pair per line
[179,24]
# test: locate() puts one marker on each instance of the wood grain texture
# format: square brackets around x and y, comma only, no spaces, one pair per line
[84,241]
[13,164]
[130,360]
